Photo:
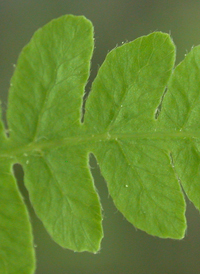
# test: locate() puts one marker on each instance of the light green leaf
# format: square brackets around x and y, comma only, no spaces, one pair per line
[63,195]
[146,140]
[44,112]
[130,84]
[16,243]
[180,117]
[2,130]
[121,109]
[47,87]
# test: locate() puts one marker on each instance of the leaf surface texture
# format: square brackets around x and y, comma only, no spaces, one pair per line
[141,123]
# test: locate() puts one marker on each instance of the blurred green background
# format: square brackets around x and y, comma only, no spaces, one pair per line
[125,250]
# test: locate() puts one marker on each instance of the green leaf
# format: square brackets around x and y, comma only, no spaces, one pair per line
[44,118]
[141,123]
[2,130]
[130,84]
[47,87]
[132,159]
[63,195]
[180,118]
[16,243]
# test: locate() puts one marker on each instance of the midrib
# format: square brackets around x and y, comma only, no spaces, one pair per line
[92,138]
